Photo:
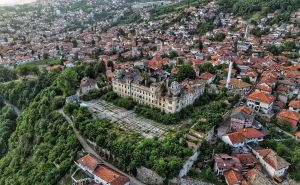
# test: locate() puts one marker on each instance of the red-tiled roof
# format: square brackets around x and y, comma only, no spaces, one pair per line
[246,158]
[206,76]
[295,104]
[236,137]
[261,97]
[290,116]
[297,134]
[110,176]
[88,161]
[270,157]
[251,133]
[234,177]
[264,88]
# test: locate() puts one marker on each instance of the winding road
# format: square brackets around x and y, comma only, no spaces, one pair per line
[90,150]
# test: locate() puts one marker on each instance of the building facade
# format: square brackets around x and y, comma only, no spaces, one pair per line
[169,99]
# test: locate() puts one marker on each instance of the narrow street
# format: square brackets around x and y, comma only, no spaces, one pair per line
[90,150]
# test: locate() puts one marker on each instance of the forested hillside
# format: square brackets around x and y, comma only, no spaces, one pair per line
[7,126]
[257,8]
[43,146]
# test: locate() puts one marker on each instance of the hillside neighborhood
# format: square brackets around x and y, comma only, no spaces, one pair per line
[197,96]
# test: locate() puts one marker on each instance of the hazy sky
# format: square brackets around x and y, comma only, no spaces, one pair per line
[13,2]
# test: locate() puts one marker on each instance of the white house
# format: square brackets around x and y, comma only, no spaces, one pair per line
[100,173]
[294,106]
[243,136]
[275,165]
[87,84]
[260,102]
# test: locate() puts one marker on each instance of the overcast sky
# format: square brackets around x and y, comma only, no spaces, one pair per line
[13,2]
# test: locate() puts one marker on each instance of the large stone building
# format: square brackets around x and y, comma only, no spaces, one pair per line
[157,90]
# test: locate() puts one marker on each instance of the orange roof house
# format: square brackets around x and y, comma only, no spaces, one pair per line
[274,162]
[234,177]
[102,174]
[294,105]
[242,136]
[293,118]
[261,97]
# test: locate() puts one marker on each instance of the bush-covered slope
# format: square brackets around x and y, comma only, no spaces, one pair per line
[258,8]
[43,146]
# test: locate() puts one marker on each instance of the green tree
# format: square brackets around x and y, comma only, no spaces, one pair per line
[185,71]
[68,82]
[100,67]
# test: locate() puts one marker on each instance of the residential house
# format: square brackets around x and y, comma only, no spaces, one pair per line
[208,77]
[264,88]
[282,93]
[87,84]
[234,177]
[275,165]
[294,106]
[247,160]
[260,102]
[252,76]
[224,162]
[100,173]
[256,177]
[237,86]
[242,136]
[291,117]
[241,117]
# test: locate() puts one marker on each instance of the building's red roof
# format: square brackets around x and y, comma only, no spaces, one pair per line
[234,177]
[89,162]
[246,158]
[236,137]
[290,116]
[206,76]
[264,88]
[111,176]
[261,97]
[271,157]
[295,104]
[251,133]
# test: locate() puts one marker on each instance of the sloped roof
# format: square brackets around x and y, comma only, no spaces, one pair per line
[256,177]
[236,137]
[226,162]
[273,159]
[242,113]
[290,116]
[246,158]
[206,76]
[251,133]
[261,97]
[295,104]
[110,176]
[234,177]
[88,161]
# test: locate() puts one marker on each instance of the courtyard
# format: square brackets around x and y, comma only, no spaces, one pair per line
[127,119]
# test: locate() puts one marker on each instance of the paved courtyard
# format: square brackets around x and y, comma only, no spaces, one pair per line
[127,119]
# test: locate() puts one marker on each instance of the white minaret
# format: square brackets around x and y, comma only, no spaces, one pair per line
[246,32]
[229,74]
